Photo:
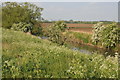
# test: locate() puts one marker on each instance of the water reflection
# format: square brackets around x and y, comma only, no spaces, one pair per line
[81,50]
[90,49]
[42,37]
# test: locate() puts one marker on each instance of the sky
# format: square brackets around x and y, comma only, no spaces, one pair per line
[82,11]
[61,0]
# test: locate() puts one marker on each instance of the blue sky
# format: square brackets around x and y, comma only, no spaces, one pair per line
[83,11]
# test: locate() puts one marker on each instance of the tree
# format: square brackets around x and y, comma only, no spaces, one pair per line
[13,12]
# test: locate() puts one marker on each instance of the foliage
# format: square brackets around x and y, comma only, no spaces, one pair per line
[85,38]
[37,29]
[96,32]
[95,67]
[22,27]
[55,32]
[107,35]
[112,37]
[13,12]
[80,22]
[26,56]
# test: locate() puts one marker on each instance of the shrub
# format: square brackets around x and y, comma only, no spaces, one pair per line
[110,36]
[97,28]
[22,27]
[55,32]
[106,35]
[37,29]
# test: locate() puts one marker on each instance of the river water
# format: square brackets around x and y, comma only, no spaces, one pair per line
[90,49]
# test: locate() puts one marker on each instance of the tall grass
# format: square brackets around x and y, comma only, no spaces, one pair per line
[85,38]
[26,56]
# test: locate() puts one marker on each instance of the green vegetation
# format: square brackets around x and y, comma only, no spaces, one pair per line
[106,35]
[37,29]
[26,56]
[22,16]
[58,33]
[22,27]
[54,32]
[85,38]
[80,22]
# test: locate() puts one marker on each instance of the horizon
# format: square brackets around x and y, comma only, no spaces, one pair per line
[79,11]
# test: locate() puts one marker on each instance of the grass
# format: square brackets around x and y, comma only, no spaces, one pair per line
[26,56]
[85,38]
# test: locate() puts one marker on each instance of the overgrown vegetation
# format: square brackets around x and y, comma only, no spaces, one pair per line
[20,16]
[26,56]
[22,27]
[54,32]
[37,29]
[84,38]
[106,35]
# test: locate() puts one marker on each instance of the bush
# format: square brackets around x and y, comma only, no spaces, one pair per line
[37,29]
[110,36]
[97,28]
[106,35]
[22,27]
[55,32]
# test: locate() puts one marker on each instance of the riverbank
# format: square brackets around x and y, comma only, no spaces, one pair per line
[80,38]
[29,57]
[84,40]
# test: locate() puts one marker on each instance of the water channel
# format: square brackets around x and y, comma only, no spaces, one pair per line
[86,48]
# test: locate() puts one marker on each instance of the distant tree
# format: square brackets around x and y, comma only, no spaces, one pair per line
[13,12]
[71,21]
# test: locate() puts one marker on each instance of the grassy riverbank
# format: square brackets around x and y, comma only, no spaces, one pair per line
[27,56]
[84,38]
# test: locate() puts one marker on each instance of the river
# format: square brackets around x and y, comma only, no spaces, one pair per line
[86,48]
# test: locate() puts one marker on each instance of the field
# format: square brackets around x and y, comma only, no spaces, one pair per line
[84,28]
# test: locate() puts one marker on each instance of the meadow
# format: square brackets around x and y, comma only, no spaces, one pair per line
[26,56]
